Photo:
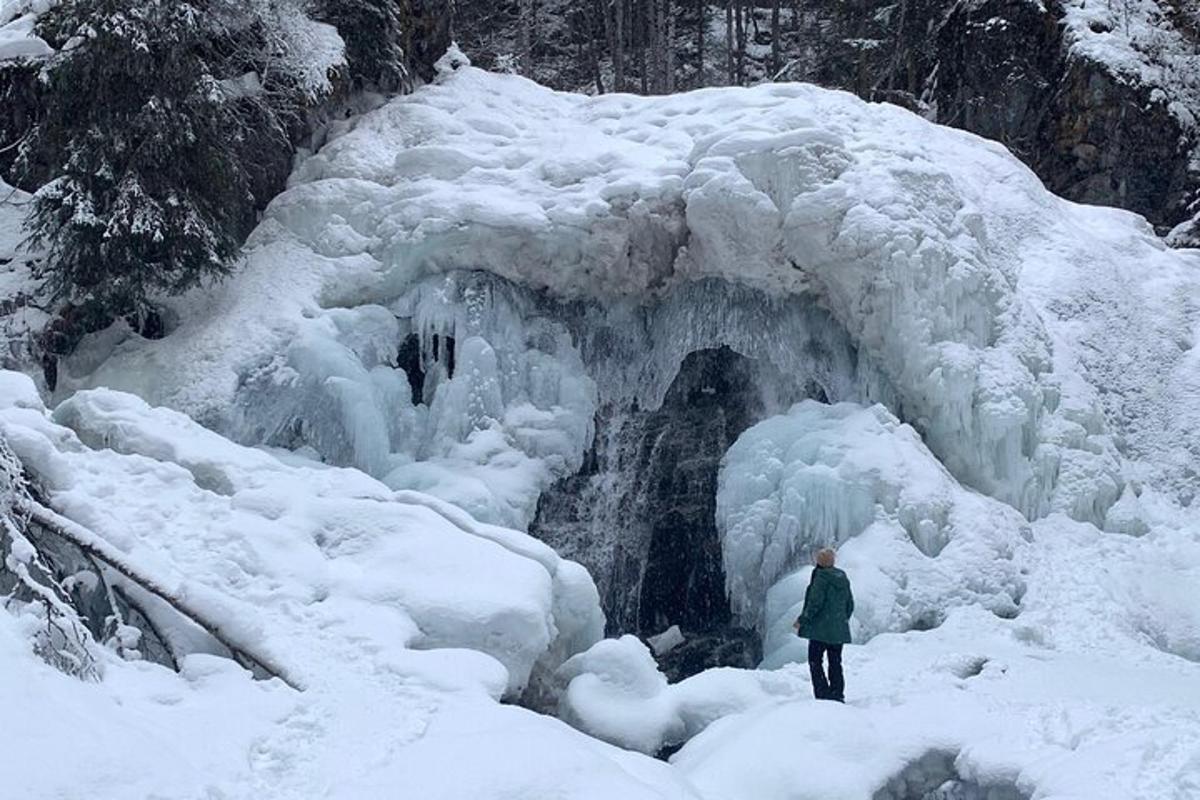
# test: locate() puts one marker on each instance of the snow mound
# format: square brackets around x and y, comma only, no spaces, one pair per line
[402,618]
[818,749]
[616,693]
[1047,705]
[917,239]
[17,37]
[325,541]
[914,542]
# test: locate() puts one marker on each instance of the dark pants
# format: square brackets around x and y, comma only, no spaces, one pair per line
[833,687]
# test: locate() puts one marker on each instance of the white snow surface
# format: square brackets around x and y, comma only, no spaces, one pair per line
[17,21]
[1033,507]
[615,692]
[396,613]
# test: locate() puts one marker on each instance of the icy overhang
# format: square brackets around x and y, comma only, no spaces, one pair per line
[911,237]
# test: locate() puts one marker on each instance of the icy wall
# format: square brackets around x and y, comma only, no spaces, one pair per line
[501,295]
[680,378]
[872,213]
[855,478]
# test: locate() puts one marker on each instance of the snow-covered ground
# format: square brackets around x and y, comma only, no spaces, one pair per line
[17,36]
[1022,544]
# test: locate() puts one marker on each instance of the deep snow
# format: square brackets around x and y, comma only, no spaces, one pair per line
[1022,544]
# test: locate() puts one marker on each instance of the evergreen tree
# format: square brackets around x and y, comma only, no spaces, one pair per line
[375,32]
[159,116]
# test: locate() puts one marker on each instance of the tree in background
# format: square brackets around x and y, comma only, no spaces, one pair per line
[374,32]
[159,120]
[647,46]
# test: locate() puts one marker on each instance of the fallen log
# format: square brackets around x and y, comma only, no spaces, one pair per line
[96,547]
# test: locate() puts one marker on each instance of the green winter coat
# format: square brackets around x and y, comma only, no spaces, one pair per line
[828,604]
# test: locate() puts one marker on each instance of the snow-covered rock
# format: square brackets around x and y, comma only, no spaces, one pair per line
[615,692]
[17,39]
[402,618]
[258,538]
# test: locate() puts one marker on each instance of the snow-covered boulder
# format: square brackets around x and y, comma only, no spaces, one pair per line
[913,540]
[402,619]
[258,537]
[616,692]
[17,38]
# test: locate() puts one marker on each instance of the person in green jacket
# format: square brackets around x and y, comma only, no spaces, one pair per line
[825,622]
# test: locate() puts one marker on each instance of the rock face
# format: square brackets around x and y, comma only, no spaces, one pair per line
[651,482]
[1006,71]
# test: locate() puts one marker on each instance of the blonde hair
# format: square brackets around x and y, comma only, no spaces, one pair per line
[825,557]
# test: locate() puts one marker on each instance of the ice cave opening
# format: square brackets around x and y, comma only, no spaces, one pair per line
[412,359]
[598,426]
[641,513]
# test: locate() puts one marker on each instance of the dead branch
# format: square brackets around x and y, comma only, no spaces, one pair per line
[96,547]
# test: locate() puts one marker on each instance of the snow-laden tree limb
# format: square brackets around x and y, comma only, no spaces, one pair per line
[97,548]
[66,642]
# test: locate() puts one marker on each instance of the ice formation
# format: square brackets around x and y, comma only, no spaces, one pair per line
[857,479]
[913,239]
[479,297]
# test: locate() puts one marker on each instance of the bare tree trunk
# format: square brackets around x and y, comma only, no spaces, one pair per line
[525,29]
[654,36]
[729,43]
[662,54]
[669,48]
[619,45]
[643,28]
[595,10]
[701,23]
[740,23]
[775,43]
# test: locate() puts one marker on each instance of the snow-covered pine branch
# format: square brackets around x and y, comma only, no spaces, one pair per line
[30,566]
[27,579]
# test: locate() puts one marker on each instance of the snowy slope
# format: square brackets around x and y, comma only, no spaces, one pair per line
[1006,374]
[404,622]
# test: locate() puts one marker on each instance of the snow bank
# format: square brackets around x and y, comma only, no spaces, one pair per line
[17,21]
[913,540]
[916,239]
[814,749]
[403,618]
[616,693]
[1051,704]
[322,538]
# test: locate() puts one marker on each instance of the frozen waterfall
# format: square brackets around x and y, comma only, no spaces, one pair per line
[573,341]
